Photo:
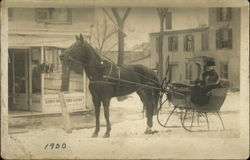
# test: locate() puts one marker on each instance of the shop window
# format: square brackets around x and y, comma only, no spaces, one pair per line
[53,15]
[224,14]
[173,43]
[53,79]
[224,38]
[204,38]
[189,43]
[224,71]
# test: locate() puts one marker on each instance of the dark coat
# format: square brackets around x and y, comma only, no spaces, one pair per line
[210,77]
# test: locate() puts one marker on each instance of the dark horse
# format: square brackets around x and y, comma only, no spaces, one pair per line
[109,80]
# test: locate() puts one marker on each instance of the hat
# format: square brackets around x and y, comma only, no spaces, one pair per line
[210,63]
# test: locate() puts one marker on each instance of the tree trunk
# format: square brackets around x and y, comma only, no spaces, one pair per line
[161,49]
[120,44]
[120,23]
[162,12]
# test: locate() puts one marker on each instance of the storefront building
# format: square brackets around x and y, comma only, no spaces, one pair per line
[35,70]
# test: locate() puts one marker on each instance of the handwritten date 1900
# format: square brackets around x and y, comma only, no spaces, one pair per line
[55,146]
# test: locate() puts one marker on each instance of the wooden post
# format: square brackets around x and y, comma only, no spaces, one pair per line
[65,87]
[4,79]
[65,113]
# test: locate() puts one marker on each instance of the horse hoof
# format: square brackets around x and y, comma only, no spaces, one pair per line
[106,135]
[150,132]
[94,135]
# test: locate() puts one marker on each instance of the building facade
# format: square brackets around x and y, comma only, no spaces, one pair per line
[37,37]
[219,40]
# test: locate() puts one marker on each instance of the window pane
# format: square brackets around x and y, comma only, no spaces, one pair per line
[42,14]
[76,82]
[189,43]
[204,41]
[224,71]
[225,34]
[168,20]
[59,14]
[52,79]
[224,13]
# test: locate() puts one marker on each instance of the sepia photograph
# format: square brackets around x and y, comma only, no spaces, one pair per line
[90,79]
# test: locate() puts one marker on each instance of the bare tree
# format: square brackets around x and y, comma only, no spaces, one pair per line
[104,31]
[119,22]
[162,12]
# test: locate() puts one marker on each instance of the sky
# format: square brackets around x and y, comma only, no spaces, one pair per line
[142,21]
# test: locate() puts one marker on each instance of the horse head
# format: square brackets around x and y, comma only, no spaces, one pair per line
[75,56]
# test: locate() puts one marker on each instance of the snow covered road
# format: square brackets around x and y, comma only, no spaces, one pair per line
[129,141]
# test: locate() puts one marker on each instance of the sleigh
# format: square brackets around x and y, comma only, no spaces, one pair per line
[178,99]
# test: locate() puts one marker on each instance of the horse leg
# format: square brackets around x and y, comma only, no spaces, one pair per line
[149,114]
[106,102]
[149,104]
[97,104]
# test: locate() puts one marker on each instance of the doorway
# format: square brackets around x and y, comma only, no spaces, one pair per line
[18,80]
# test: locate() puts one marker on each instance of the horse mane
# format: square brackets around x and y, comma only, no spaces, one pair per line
[92,50]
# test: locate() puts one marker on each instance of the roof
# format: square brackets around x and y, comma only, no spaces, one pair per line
[200,29]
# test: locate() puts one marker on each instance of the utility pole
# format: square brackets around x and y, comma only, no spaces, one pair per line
[162,13]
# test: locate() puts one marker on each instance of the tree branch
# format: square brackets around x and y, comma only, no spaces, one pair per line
[126,14]
[98,35]
[162,12]
[117,16]
[104,33]
[110,17]
[115,23]
[110,34]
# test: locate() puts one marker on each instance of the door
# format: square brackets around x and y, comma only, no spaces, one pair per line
[19,79]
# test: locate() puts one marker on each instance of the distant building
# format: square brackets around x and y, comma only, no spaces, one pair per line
[220,40]
[37,36]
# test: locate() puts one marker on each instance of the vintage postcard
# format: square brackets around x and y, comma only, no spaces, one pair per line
[90,79]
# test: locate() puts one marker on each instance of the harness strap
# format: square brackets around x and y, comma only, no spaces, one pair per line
[110,71]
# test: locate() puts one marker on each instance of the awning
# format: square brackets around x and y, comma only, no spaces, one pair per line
[32,41]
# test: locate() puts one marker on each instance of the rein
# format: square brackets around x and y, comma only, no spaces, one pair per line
[111,63]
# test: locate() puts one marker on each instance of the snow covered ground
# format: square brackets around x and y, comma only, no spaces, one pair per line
[129,141]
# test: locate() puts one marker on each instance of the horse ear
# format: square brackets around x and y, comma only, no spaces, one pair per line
[81,37]
[77,38]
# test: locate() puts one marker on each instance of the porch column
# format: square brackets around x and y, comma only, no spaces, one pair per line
[4,77]
[42,78]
